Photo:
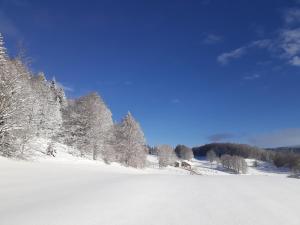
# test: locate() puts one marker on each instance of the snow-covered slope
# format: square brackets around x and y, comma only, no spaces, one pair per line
[204,167]
[92,193]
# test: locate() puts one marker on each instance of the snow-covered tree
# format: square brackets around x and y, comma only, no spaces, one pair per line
[87,125]
[46,107]
[14,97]
[3,56]
[26,116]
[236,163]
[31,106]
[184,152]
[211,156]
[166,155]
[130,143]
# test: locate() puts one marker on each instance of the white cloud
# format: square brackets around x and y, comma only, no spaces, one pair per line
[279,138]
[290,41]
[234,54]
[285,45]
[211,39]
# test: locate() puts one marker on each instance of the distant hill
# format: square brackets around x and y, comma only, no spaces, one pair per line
[295,149]
[242,150]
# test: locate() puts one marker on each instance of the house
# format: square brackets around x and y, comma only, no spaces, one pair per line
[177,164]
[186,165]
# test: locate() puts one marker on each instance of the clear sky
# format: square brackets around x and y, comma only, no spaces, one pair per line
[190,71]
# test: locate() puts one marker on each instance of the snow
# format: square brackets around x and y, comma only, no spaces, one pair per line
[79,191]
[204,167]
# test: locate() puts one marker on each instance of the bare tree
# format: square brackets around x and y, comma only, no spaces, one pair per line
[211,156]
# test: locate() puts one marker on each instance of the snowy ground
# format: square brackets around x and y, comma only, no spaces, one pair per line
[82,192]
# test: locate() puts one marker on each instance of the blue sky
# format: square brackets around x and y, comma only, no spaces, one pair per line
[191,72]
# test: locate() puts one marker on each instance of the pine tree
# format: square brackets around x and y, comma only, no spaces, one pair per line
[130,143]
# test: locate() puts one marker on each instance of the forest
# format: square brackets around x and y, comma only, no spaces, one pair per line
[33,107]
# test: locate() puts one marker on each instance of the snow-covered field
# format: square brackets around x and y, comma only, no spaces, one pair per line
[82,192]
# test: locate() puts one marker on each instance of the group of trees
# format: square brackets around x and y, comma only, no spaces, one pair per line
[287,159]
[167,155]
[235,163]
[31,107]
[232,162]
[278,157]
[243,150]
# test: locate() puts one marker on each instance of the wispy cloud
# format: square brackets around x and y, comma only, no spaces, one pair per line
[252,77]
[226,57]
[285,45]
[284,137]
[220,137]
[289,42]
[211,39]
[292,15]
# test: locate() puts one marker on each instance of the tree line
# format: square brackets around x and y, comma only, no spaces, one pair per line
[288,159]
[33,107]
